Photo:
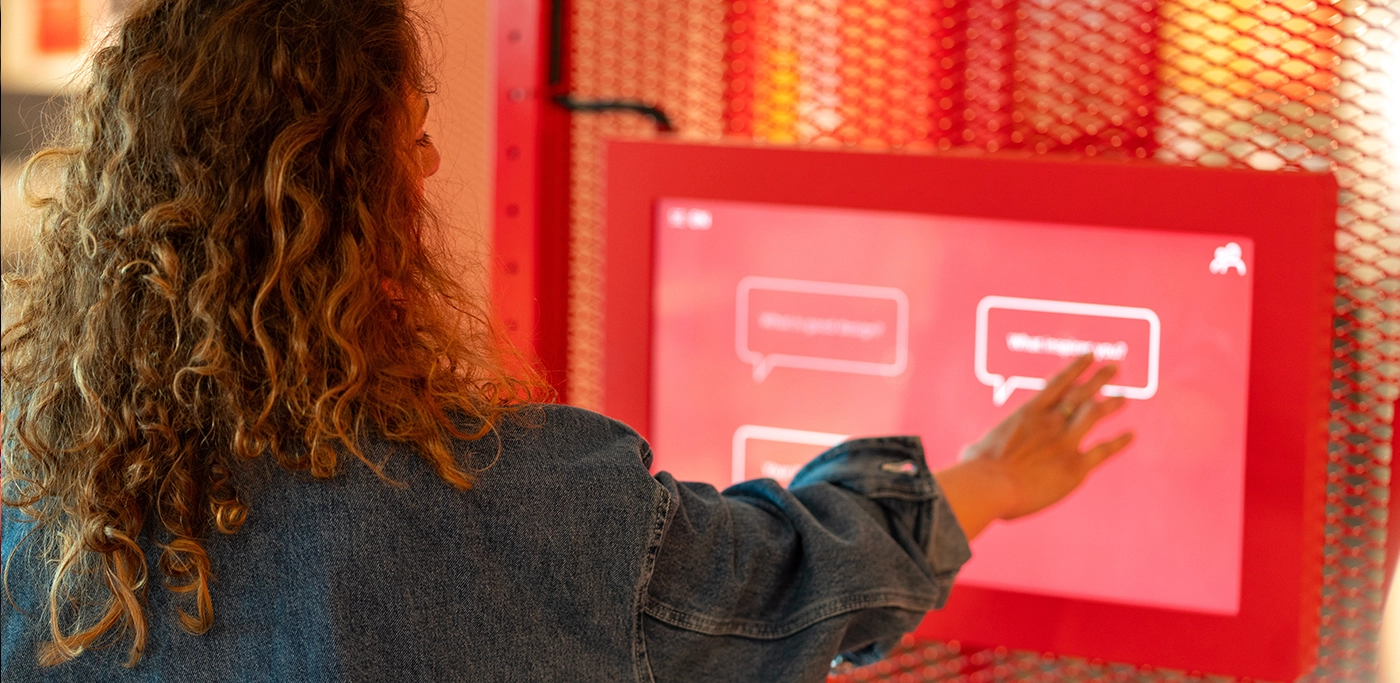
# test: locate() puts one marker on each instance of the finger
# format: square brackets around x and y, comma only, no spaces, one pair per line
[1077,395]
[1103,451]
[1090,413]
[1055,389]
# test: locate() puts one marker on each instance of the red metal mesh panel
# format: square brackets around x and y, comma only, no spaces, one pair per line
[1084,77]
[669,52]
[1269,84]
[834,71]
[995,74]
[1282,84]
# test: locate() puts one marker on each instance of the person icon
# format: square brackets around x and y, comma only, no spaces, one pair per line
[1227,257]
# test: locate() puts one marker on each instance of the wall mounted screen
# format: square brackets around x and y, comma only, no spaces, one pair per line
[780,330]
[762,303]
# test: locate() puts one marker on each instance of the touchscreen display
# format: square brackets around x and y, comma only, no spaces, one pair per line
[780,330]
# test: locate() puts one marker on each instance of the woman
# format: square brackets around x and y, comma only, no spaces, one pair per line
[254,431]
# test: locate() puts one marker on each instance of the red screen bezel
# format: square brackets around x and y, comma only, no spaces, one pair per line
[1290,217]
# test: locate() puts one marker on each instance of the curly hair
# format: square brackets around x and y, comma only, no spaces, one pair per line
[233,260]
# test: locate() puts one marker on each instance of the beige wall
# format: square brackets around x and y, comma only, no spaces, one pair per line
[460,122]
[23,68]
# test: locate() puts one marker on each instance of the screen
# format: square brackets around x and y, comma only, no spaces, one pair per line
[779,331]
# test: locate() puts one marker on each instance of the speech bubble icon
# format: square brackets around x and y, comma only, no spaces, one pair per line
[1022,342]
[775,452]
[830,326]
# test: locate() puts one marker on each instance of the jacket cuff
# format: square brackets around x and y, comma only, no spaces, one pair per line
[891,470]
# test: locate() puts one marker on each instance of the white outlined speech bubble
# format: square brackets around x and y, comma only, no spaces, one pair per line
[1003,385]
[745,433]
[764,360]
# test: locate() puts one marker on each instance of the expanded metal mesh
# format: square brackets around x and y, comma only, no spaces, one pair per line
[670,52]
[1271,84]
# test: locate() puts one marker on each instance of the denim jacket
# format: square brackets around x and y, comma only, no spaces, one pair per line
[568,560]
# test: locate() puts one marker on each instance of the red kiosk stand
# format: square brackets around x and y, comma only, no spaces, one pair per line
[764,303]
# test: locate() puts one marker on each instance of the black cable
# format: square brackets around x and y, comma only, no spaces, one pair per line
[568,101]
[663,122]
[556,42]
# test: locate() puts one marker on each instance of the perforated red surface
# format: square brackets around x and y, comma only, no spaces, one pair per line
[1270,84]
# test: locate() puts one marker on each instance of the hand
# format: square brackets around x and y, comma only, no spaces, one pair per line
[1033,458]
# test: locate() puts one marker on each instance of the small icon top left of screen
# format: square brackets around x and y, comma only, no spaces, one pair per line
[695,219]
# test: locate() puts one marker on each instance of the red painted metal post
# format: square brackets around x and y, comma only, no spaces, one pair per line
[531,233]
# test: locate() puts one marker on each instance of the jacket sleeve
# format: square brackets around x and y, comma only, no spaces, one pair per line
[765,583]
